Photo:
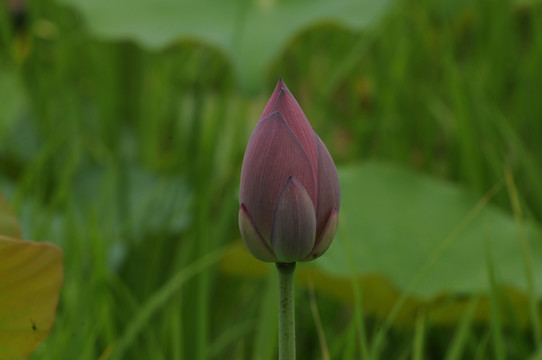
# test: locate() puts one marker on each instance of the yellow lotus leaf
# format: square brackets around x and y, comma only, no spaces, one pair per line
[30,280]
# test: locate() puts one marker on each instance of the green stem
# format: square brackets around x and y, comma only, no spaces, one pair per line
[286,311]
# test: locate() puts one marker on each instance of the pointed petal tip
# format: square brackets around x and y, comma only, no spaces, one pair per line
[280,87]
[282,84]
[273,99]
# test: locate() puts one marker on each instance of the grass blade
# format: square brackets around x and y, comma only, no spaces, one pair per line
[462,333]
[496,322]
[527,258]
[160,297]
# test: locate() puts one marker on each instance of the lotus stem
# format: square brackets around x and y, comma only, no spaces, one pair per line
[286,311]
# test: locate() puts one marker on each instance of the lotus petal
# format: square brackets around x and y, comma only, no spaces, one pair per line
[329,192]
[297,121]
[294,225]
[273,154]
[254,242]
[323,243]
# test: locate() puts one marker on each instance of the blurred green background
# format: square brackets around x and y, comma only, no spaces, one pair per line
[122,131]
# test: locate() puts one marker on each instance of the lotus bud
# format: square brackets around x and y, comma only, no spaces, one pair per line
[289,195]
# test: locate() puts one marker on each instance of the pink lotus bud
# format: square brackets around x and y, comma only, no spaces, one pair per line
[289,191]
